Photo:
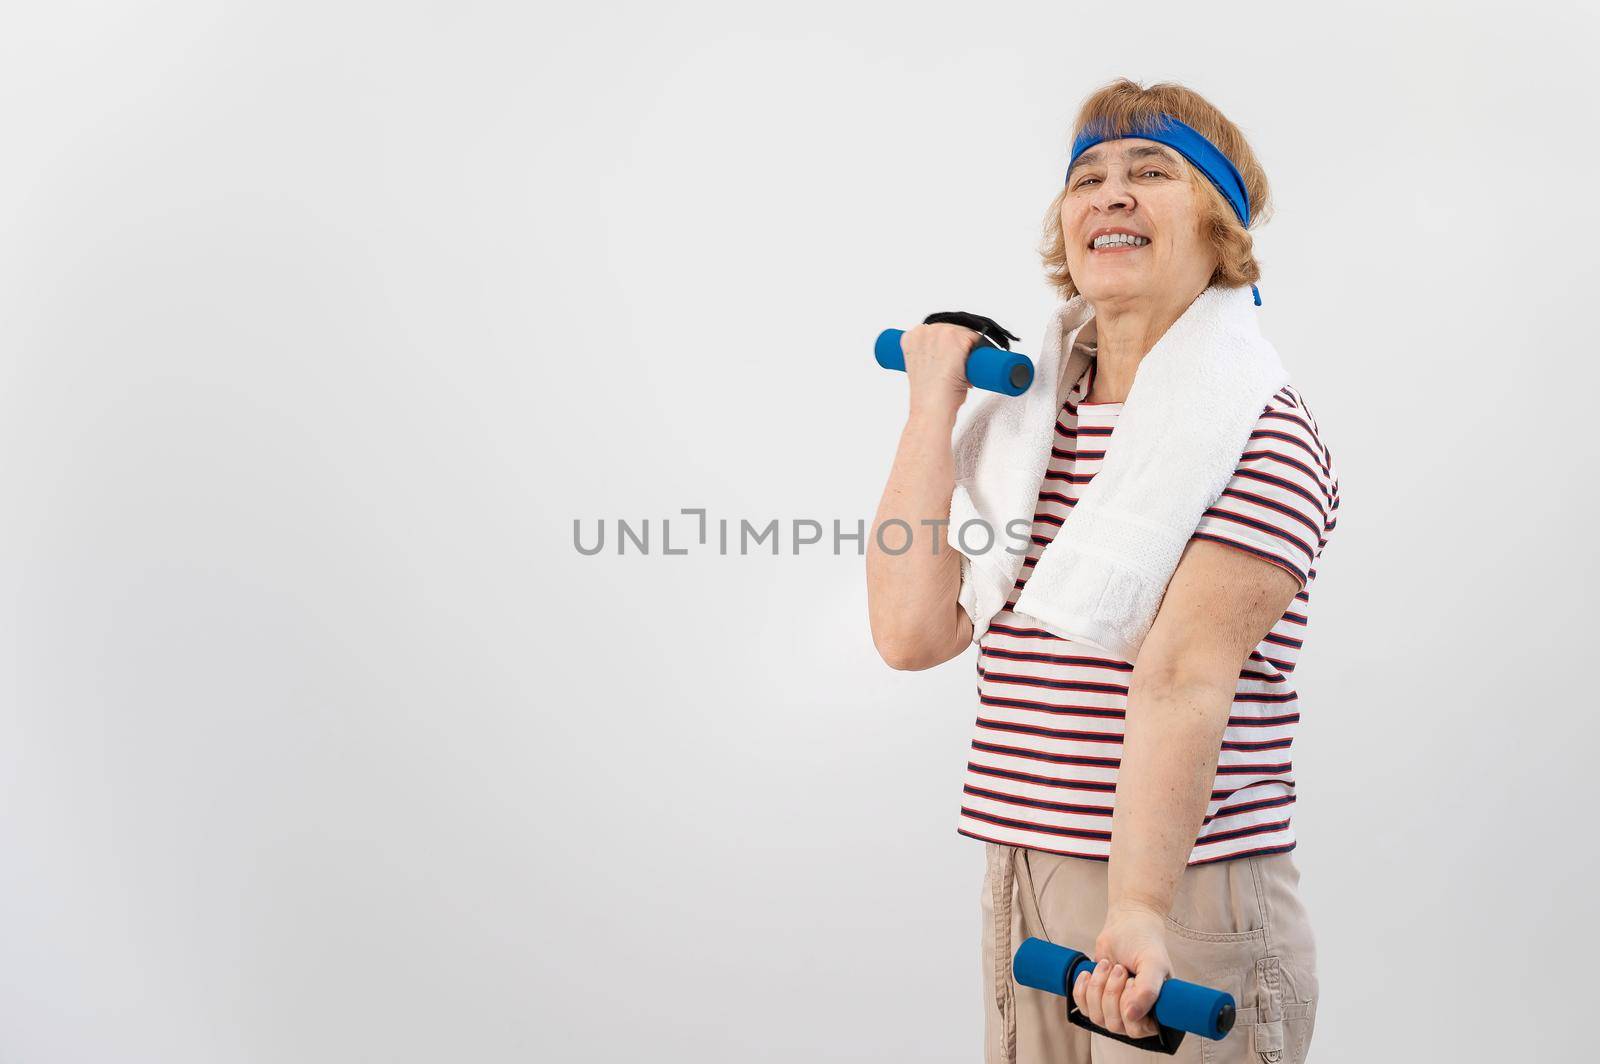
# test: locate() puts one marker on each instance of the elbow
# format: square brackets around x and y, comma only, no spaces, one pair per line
[905,657]
[911,637]
[911,651]
[1188,675]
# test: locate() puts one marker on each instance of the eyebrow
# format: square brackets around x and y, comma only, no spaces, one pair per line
[1093,156]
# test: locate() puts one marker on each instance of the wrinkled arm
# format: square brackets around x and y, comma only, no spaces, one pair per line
[913,596]
[1220,603]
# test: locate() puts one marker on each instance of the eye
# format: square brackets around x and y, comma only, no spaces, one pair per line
[1085,180]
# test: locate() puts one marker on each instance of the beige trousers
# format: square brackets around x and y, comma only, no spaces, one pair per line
[1237,925]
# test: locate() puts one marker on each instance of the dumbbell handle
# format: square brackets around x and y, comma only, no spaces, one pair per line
[993,369]
[1180,1006]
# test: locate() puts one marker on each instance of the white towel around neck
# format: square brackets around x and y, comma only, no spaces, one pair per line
[1196,396]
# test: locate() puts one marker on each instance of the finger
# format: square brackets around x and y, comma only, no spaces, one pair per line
[1111,999]
[1094,993]
[1138,999]
[1080,992]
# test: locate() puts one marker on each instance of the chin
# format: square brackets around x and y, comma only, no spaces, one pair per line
[1113,288]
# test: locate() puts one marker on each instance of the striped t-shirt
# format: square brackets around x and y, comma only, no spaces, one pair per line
[1048,740]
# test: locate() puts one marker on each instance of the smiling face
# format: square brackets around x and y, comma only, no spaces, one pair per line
[1145,190]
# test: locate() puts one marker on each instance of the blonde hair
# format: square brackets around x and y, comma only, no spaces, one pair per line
[1123,105]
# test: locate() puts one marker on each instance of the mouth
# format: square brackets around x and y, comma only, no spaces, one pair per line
[1120,244]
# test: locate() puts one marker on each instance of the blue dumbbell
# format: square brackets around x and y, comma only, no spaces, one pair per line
[1180,1006]
[990,368]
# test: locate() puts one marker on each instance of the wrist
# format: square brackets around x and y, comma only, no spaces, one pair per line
[1132,905]
[938,417]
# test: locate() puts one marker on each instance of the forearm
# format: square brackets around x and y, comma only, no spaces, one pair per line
[912,593]
[1172,736]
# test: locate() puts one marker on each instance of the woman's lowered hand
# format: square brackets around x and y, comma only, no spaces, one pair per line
[1132,964]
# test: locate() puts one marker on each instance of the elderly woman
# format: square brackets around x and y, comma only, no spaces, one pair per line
[1138,811]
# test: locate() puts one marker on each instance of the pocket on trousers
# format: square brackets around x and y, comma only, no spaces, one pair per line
[1268,1028]
[1258,935]
[1219,903]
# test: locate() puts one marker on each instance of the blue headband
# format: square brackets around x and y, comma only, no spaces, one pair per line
[1205,156]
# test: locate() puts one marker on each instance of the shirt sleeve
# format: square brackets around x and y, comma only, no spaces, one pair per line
[1282,502]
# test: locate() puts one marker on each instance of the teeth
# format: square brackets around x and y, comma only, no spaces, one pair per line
[1120,240]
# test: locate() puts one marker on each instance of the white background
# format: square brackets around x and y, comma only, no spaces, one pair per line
[322,323]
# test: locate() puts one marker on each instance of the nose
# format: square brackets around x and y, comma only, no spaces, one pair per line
[1113,196]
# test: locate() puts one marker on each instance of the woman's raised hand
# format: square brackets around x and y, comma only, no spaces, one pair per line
[936,362]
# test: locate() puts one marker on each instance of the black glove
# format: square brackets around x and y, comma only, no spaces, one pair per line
[992,330]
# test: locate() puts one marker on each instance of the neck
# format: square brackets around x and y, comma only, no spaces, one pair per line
[1124,332]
